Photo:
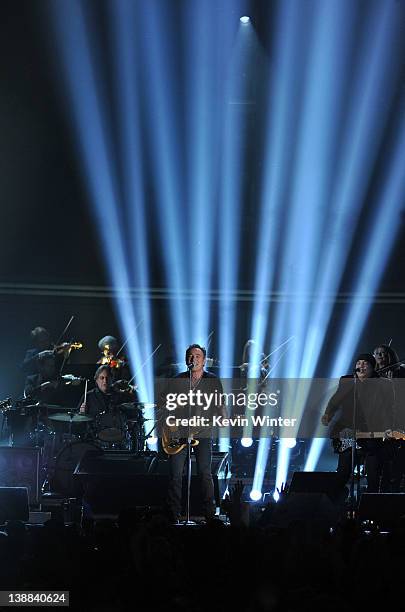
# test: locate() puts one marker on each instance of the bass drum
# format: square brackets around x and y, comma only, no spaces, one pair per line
[66,462]
[112,430]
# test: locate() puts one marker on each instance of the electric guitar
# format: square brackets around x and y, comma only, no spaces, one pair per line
[346,438]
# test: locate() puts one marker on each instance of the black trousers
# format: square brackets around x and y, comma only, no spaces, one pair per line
[344,466]
[384,462]
[203,455]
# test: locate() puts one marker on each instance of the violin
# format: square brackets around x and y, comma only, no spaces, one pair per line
[116,363]
[111,360]
[67,346]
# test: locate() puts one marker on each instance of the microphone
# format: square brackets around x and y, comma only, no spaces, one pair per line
[190,364]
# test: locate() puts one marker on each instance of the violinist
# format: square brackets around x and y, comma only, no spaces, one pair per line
[254,364]
[388,362]
[44,348]
[389,366]
[45,386]
[111,357]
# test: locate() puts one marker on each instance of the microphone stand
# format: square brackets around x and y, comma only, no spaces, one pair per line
[353,500]
[188,521]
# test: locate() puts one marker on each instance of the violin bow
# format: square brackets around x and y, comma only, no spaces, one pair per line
[129,337]
[65,330]
[144,363]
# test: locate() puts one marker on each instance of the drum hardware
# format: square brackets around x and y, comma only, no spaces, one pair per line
[70,379]
[112,428]
[71,417]
[5,404]
[5,407]
[65,464]
[121,428]
[36,435]
[56,441]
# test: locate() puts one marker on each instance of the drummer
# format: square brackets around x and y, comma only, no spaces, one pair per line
[105,396]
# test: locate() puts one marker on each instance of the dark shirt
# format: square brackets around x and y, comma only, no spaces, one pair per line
[50,394]
[30,365]
[367,404]
[32,360]
[97,401]
[208,384]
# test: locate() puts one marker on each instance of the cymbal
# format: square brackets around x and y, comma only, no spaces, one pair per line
[36,406]
[135,405]
[54,407]
[49,407]
[129,406]
[66,418]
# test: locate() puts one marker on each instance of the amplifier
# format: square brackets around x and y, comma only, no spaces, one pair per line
[20,467]
[13,504]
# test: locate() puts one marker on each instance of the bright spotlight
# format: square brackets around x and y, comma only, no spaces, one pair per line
[246,442]
[255,495]
[276,496]
[245,19]
[290,442]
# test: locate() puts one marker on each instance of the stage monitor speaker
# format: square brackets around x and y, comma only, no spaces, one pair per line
[306,507]
[19,467]
[385,509]
[14,504]
[328,483]
[112,481]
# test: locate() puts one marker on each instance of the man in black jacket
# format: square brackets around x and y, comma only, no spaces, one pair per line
[102,403]
[199,380]
[363,403]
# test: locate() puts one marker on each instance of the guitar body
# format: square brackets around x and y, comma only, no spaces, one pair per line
[172,445]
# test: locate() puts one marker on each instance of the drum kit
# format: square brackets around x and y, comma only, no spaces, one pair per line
[65,435]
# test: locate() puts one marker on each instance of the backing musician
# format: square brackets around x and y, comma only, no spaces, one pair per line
[43,348]
[118,365]
[388,366]
[371,406]
[46,385]
[388,362]
[104,398]
[103,403]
